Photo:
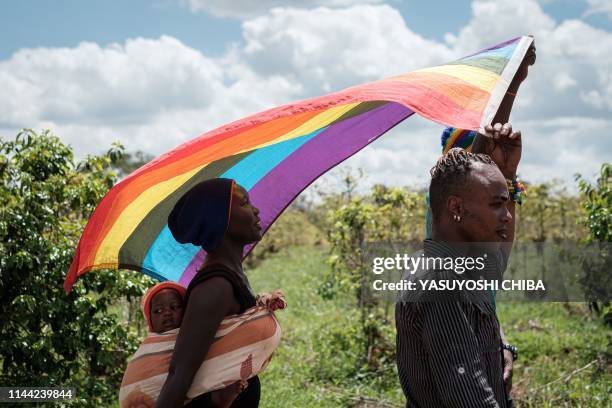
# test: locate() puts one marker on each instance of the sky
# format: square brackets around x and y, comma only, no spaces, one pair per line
[154,74]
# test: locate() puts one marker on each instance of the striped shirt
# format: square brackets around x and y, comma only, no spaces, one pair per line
[448,343]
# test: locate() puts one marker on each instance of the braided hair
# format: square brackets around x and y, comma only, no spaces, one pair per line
[450,174]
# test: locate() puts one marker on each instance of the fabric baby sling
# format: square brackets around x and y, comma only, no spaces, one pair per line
[242,347]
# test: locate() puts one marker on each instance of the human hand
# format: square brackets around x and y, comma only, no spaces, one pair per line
[508,366]
[224,397]
[273,301]
[523,70]
[503,145]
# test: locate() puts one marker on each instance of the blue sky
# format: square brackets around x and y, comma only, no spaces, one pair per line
[154,74]
[63,23]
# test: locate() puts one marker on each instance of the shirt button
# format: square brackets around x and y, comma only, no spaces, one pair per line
[461,370]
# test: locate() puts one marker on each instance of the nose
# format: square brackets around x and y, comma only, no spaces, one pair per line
[507,216]
[255,210]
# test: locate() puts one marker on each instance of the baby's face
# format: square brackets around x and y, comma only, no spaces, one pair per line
[166,310]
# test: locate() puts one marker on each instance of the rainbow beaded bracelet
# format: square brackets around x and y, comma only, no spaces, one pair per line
[517,190]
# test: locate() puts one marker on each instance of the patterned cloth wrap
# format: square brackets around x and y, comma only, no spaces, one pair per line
[242,347]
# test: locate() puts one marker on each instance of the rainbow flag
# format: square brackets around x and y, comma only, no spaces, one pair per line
[277,153]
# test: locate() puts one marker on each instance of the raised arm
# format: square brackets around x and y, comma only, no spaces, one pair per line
[499,142]
[207,306]
[503,113]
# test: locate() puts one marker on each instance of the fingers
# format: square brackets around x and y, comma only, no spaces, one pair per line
[508,379]
[506,130]
[494,131]
[502,133]
[507,372]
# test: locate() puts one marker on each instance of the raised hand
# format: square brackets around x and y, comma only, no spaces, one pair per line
[503,145]
[523,70]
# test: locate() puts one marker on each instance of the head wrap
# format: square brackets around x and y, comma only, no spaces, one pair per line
[154,290]
[201,215]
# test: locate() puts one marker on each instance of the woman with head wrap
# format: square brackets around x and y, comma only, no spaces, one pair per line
[218,216]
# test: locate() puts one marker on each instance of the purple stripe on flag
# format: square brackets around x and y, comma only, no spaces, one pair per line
[495,47]
[274,192]
[192,268]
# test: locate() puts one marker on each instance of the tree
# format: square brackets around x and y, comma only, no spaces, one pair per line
[359,227]
[128,162]
[597,205]
[48,337]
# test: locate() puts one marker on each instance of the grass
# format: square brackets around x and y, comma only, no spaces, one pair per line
[310,367]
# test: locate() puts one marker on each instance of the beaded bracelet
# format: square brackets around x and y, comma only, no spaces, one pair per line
[517,190]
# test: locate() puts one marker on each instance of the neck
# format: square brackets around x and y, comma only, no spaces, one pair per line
[445,233]
[450,234]
[227,253]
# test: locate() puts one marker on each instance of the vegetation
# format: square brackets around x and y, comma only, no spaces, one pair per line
[48,337]
[597,207]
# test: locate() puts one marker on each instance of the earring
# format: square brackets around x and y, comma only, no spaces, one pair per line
[456,218]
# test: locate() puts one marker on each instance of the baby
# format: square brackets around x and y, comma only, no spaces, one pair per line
[163,306]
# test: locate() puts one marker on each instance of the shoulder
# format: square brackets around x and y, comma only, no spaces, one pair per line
[215,293]
[213,286]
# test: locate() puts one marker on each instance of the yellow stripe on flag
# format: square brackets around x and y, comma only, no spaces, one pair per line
[134,213]
[478,77]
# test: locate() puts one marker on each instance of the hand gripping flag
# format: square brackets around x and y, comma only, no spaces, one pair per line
[277,153]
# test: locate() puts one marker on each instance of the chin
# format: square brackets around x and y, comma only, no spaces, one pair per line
[255,238]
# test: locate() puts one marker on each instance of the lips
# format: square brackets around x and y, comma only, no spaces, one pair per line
[503,234]
[167,323]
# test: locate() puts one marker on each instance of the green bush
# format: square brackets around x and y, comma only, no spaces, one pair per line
[48,337]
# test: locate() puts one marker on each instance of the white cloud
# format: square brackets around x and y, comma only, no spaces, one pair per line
[573,64]
[149,94]
[560,147]
[328,49]
[139,79]
[153,94]
[251,8]
[599,7]
[563,81]
[496,21]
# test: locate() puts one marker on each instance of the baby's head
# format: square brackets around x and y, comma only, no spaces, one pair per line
[163,306]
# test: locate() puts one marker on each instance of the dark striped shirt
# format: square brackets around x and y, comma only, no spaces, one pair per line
[448,343]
